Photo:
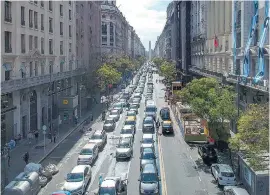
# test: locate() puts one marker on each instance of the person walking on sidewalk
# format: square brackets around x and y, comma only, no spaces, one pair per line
[36,136]
[26,157]
[30,137]
[54,136]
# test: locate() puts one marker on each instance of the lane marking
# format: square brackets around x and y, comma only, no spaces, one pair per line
[200,179]
[162,169]
[190,157]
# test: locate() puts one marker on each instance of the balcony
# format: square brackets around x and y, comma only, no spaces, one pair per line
[18,84]
[8,19]
[8,50]
[206,73]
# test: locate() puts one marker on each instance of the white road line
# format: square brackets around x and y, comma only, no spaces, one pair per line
[191,157]
[200,179]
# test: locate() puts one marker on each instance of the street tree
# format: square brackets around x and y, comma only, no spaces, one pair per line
[168,70]
[158,61]
[211,101]
[253,135]
[107,75]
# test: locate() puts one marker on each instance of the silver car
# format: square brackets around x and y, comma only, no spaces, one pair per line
[124,148]
[118,106]
[109,124]
[115,114]
[128,131]
[100,138]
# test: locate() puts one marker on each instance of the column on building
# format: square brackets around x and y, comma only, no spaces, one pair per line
[17,113]
[39,109]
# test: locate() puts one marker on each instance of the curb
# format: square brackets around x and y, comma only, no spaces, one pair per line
[68,134]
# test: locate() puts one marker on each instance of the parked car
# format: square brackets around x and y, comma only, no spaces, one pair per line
[100,138]
[223,174]
[77,180]
[112,185]
[109,124]
[148,125]
[115,114]
[124,148]
[149,180]
[118,106]
[147,156]
[167,127]
[208,153]
[88,154]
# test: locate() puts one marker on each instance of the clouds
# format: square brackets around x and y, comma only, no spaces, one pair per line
[146,16]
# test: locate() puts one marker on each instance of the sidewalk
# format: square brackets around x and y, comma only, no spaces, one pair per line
[36,150]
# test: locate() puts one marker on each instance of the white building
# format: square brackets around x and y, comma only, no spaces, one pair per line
[38,64]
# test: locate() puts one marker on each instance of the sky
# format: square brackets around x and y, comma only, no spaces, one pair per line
[147,17]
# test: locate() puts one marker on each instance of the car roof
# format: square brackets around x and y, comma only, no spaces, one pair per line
[78,169]
[225,168]
[124,140]
[98,132]
[89,145]
[130,118]
[148,150]
[109,118]
[114,110]
[149,168]
[167,122]
[131,111]
[128,127]
[108,183]
[146,136]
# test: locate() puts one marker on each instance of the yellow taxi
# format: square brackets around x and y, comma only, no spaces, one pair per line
[131,120]
[167,126]
[132,113]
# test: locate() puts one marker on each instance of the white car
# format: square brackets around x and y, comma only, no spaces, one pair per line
[115,114]
[99,138]
[78,179]
[223,174]
[147,141]
[88,154]
[128,131]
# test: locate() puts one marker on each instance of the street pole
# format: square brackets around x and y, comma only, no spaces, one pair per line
[80,102]
[44,136]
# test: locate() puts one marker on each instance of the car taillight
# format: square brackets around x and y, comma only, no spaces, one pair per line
[220,178]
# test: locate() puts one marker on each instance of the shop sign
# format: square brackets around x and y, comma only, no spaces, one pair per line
[65,102]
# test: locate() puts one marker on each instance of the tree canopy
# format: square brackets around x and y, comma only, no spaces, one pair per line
[168,70]
[108,75]
[253,135]
[211,101]
[158,61]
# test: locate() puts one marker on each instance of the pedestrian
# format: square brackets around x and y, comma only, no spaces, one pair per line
[29,136]
[54,136]
[26,157]
[36,136]
[8,160]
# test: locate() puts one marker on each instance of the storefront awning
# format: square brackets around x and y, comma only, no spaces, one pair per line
[7,66]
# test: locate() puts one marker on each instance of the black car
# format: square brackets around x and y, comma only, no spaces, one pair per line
[148,125]
[208,153]
[165,113]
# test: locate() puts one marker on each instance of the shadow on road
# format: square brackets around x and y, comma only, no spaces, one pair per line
[201,165]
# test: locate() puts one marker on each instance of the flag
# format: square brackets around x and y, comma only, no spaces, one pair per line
[216,41]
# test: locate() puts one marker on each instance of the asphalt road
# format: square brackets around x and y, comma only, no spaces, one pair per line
[181,169]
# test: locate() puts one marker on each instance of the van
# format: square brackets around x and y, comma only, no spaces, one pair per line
[78,179]
[150,109]
[88,154]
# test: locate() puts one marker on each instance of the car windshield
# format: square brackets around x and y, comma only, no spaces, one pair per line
[133,106]
[150,109]
[107,191]
[167,124]
[108,122]
[114,112]
[126,131]
[147,141]
[227,174]
[148,155]
[123,145]
[74,177]
[86,152]
[96,136]
[118,105]
[149,178]
[165,114]
[130,123]
[148,121]
[131,114]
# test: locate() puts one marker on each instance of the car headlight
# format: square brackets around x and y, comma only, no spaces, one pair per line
[142,190]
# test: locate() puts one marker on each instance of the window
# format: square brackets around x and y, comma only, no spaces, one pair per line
[41,3]
[50,25]
[36,42]
[7,75]
[35,2]
[70,64]
[31,69]
[70,49]
[30,42]
[22,16]
[61,10]
[42,68]
[69,31]
[51,67]
[50,46]
[50,6]
[36,20]
[104,28]
[36,68]
[42,45]
[23,70]
[104,40]
[42,22]
[8,17]
[61,48]
[69,2]
[8,48]
[69,14]
[31,18]
[111,28]
[22,43]
[61,28]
